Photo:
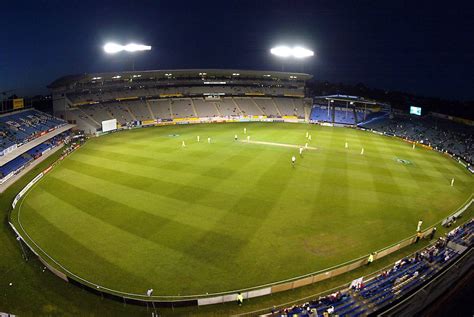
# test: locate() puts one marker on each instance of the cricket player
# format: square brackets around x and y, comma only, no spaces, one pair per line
[307,134]
[209,140]
[418,227]
[235,137]
[183,144]
[362,151]
[310,137]
[248,138]
[452,182]
[198,138]
[306,145]
[301,151]
[346,145]
[293,160]
[245,130]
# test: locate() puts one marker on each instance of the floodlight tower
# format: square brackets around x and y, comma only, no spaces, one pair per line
[285,52]
[114,48]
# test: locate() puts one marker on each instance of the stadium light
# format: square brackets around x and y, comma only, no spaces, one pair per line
[301,52]
[113,48]
[282,51]
[296,52]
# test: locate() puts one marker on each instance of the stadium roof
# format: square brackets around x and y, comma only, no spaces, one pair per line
[176,73]
[348,98]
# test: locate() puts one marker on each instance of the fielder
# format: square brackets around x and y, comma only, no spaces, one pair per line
[293,161]
[452,182]
[235,137]
[183,144]
[346,145]
[245,130]
[248,138]
[306,145]
[209,140]
[198,138]
[418,227]
[310,137]
[301,151]
[362,151]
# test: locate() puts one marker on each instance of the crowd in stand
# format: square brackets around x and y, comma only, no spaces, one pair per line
[441,134]
[405,275]
[22,161]
[20,127]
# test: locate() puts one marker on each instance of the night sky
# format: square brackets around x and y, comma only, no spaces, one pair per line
[421,47]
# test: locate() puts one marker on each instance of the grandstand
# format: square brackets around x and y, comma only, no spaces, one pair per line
[441,132]
[347,110]
[147,97]
[434,130]
[25,136]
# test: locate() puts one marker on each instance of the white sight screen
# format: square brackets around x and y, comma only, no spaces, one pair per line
[415,110]
[109,125]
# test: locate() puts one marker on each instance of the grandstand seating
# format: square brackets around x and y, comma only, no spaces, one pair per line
[247,106]
[320,113]
[23,160]
[205,108]
[439,133]
[161,108]
[227,107]
[182,108]
[90,116]
[344,116]
[268,106]
[20,127]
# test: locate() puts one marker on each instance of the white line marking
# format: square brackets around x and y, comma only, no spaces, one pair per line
[279,144]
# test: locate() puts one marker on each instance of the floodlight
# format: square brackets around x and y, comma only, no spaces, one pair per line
[132,47]
[301,52]
[282,51]
[296,52]
[112,48]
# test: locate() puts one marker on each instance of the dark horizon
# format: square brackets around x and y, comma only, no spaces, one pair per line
[420,48]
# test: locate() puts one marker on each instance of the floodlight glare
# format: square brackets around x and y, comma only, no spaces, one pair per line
[301,52]
[282,51]
[296,52]
[112,48]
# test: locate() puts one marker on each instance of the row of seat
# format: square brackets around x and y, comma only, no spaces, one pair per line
[18,163]
[19,127]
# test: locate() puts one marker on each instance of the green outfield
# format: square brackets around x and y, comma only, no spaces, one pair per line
[137,210]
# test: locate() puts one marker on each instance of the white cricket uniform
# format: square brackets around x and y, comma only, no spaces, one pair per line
[418,228]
